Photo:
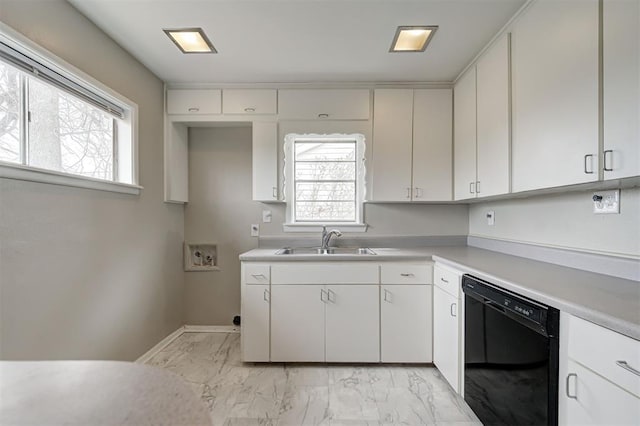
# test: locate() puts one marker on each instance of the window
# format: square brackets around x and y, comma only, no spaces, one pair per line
[324,179]
[57,128]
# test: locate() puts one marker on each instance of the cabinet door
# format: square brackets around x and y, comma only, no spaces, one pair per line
[202,101]
[621,56]
[392,142]
[493,145]
[432,145]
[353,323]
[406,326]
[595,400]
[255,323]
[464,145]
[253,101]
[446,347]
[555,95]
[265,161]
[297,323]
[313,104]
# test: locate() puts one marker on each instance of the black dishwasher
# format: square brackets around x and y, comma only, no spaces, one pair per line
[511,356]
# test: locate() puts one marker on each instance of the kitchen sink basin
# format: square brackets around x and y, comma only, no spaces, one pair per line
[328,251]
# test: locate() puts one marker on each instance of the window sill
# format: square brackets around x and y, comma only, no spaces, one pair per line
[317,227]
[32,174]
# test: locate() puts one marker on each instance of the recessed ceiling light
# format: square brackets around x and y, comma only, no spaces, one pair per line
[412,39]
[191,40]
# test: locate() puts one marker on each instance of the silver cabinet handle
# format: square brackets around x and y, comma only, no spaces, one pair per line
[323,115]
[275,192]
[266,296]
[249,109]
[404,274]
[194,109]
[322,296]
[569,376]
[605,168]
[256,276]
[626,366]
[472,187]
[417,192]
[477,187]
[408,192]
[387,296]
[453,310]
[444,281]
[586,169]
[329,293]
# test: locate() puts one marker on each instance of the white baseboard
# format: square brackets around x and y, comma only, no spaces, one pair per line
[160,346]
[211,329]
[179,332]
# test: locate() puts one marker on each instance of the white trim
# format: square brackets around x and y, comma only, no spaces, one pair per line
[146,357]
[34,174]
[211,329]
[313,227]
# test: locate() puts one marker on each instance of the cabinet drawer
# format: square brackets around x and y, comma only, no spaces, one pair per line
[447,279]
[257,274]
[237,101]
[181,101]
[325,273]
[604,351]
[406,273]
[313,104]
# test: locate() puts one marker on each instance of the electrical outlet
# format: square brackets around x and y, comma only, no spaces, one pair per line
[491,218]
[255,230]
[266,216]
[606,202]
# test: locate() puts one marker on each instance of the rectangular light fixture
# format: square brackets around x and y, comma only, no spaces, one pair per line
[191,40]
[412,39]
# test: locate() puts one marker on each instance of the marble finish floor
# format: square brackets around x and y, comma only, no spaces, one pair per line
[309,394]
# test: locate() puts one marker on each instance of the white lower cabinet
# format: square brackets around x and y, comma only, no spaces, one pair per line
[446,346]
[405,323]
[352,323]
[255,323]
[599,375]
[297,323]
[593,400]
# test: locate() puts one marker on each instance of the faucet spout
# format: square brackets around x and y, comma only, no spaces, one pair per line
[326,236]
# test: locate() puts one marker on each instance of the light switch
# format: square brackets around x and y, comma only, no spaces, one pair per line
[266,216]
[255,230]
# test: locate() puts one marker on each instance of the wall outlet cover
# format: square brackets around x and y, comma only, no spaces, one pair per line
[255,230]
[606,202]
[266,216]
[491,218]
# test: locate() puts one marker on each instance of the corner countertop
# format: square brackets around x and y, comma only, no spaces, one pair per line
[95,392]
[611,302]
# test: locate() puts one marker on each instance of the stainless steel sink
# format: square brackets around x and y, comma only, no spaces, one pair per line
[329,251]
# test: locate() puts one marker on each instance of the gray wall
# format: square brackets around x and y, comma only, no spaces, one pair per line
[220,210]
[87,274]
[565,221]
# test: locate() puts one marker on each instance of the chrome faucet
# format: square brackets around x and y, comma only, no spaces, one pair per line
[326,236]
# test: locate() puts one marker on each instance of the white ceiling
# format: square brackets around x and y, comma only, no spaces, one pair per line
[292,41]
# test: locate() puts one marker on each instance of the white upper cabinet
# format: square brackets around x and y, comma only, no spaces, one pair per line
[326,104]
[412,145]
[621,73]
[187,101]
[392,141]
[432,144]
[265,161]
[253,101]
[493,124]
[464,130]
[555,95]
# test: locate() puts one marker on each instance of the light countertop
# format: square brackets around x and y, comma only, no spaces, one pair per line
[611,302]
[95,392]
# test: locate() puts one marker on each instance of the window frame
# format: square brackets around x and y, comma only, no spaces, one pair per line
[291,225]
[125,148]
